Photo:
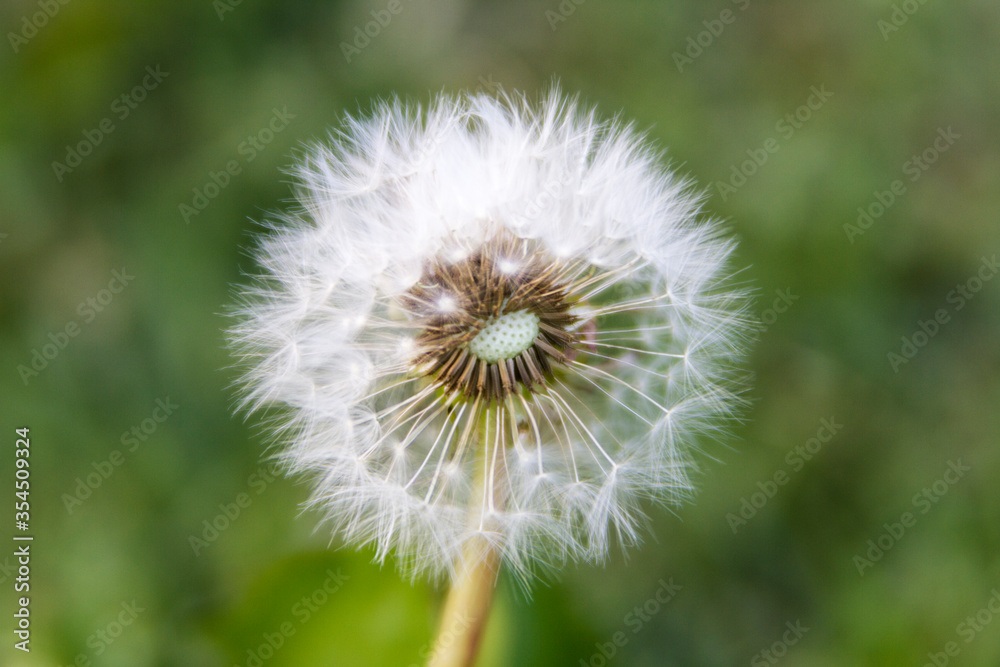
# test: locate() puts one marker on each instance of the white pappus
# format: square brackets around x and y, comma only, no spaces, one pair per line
[491,318]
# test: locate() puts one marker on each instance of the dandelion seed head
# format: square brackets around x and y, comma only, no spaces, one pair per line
[491,319]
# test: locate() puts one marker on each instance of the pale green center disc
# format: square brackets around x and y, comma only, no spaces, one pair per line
[505,337]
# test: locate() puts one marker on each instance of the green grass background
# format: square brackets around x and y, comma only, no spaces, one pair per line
[824,357]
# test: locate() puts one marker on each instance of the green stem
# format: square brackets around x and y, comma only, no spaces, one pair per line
[467,608]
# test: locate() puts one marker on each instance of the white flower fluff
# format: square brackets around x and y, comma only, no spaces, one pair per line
[491,319]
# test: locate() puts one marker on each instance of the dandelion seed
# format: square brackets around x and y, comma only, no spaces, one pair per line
[492,324]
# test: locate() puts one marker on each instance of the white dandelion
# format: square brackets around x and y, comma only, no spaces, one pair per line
[491,324]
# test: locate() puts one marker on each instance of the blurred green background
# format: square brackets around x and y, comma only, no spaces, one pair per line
[791,114]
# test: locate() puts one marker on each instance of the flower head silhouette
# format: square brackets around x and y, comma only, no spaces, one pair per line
[491,320]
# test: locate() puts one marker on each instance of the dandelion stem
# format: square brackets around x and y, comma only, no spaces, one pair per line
[467,608]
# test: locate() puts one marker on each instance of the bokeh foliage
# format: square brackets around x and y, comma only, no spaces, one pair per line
[826,356]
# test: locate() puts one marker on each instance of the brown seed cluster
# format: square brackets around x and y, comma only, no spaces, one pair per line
[453,302]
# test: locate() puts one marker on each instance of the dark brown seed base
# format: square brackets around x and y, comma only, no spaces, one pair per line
[481,290]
